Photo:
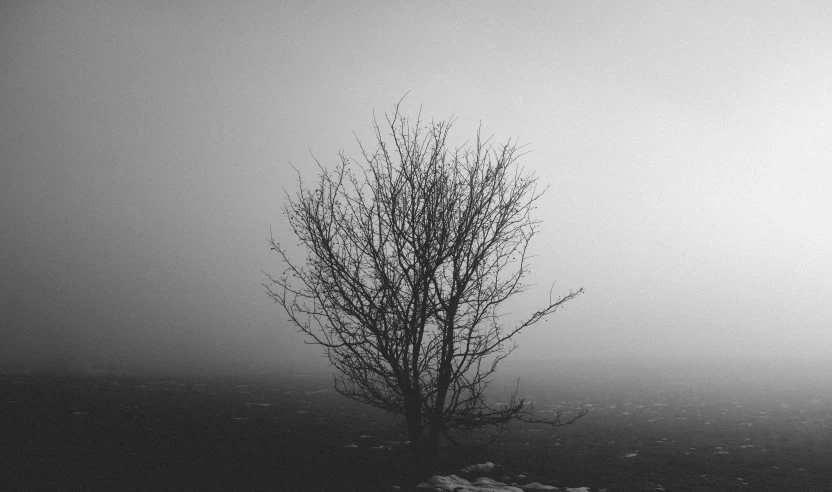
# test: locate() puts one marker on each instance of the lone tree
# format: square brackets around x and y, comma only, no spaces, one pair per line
[409,254]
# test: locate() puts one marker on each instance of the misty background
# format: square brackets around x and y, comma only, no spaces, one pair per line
[146,146]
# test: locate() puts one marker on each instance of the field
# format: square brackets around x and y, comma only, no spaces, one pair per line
[292,432]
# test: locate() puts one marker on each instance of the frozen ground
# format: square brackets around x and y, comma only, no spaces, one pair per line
[293,432]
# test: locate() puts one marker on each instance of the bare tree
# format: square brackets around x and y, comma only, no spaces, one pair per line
[409,254]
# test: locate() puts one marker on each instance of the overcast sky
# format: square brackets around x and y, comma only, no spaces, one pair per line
[145,147]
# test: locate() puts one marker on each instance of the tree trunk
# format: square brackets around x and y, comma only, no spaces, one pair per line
[432,440]
[413,422]
[424,446]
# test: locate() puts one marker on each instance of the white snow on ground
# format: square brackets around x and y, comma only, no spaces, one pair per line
[578,489]
[479,468]
[538,486]
[453,483]
[631,455]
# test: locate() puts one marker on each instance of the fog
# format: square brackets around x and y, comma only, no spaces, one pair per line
[146,147]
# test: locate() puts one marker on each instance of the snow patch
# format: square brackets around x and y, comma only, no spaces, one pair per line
[453,483]
[479,468]
[537,486]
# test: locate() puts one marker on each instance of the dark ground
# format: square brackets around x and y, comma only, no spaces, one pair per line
[292,433]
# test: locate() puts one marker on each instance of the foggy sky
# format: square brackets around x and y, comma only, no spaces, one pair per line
[146,147]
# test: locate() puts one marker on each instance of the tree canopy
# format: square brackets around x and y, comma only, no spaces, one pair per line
[410,252]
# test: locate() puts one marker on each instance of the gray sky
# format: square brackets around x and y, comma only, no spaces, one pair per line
[145,147]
